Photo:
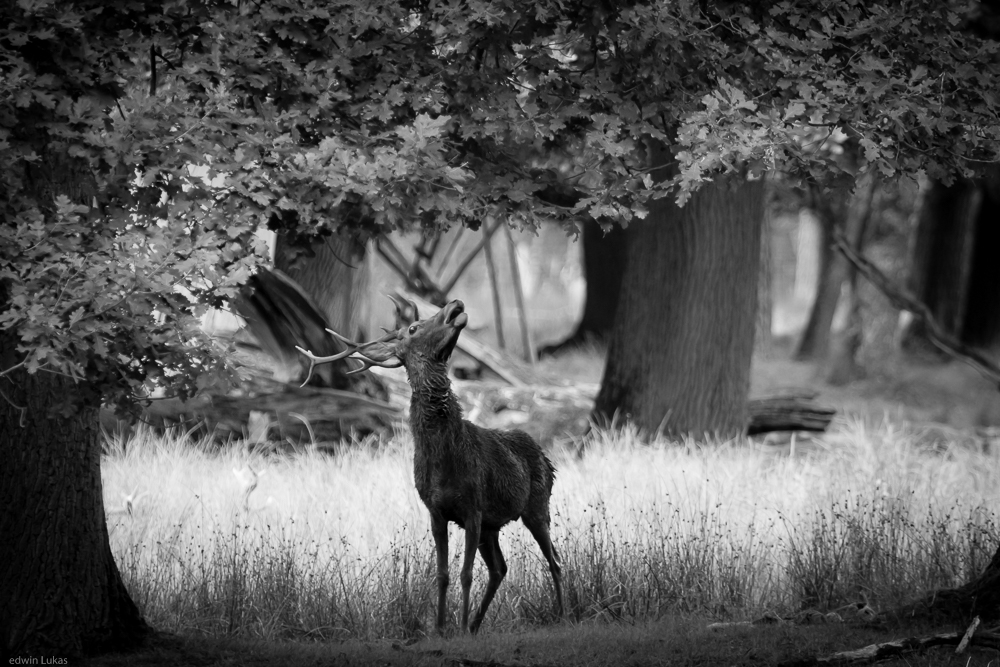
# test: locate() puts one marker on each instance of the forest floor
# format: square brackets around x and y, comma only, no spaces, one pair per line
[670,642]
[950,401]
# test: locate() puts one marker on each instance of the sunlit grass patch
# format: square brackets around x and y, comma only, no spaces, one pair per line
[236,542]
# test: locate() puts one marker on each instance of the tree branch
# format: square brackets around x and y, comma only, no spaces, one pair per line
[901,298]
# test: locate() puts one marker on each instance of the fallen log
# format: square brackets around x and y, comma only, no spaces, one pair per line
[787,413]
[896,648]
[291,407]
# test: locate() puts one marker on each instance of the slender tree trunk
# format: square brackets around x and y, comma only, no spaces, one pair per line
[61,590]
[604,257]
[680,351]
[843,366]
[763,340]
[814,345]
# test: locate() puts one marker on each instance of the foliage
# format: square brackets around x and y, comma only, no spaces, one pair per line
[143,144]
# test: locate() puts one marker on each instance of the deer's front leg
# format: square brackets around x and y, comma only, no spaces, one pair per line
[472,527]
[439,530]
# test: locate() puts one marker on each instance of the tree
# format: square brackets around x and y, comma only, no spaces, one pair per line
[674,275]
[843,212]
[791,66]
[603,267]
[141,146]
[953,269]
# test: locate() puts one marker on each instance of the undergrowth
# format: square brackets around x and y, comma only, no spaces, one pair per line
[226,542]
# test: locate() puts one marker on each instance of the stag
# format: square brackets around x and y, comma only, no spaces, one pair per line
[479,478]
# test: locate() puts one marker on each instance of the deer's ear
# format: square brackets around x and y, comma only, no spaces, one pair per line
[406,311]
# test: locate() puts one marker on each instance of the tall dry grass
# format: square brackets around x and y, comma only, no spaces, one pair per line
[336,546]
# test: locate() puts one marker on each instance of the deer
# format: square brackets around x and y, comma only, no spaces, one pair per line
[479,478]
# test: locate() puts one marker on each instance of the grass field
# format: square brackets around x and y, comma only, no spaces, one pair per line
[337,547]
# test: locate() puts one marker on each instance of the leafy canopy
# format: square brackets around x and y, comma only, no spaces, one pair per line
[142,144]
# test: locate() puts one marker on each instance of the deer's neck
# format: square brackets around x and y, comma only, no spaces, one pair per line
[434,408]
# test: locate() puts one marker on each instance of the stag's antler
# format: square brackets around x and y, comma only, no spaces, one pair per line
[353,351]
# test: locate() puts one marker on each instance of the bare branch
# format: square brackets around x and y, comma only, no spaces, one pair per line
[901,298]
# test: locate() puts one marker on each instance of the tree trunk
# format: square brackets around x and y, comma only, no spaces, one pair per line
[334,270]
[942,259]
[981,327]
[763,340]
[603,267]
[814,345]
[843,366]
[680,351]
[62,593]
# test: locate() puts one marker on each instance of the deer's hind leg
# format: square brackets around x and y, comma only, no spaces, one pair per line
[539,529]
[489,549]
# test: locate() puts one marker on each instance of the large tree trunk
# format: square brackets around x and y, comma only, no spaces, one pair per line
[680,351]
[61,591]
[333,270]
[603,267]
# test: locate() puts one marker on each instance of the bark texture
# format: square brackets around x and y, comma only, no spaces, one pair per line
[680,351]
[61,590]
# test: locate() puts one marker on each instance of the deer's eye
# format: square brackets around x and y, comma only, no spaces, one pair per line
[413,329]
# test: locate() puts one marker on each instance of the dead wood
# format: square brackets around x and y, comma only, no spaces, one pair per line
[787,413]
[286,404]
[967,637]
[897,648]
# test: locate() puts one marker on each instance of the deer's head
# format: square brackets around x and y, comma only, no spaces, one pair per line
[431,340]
